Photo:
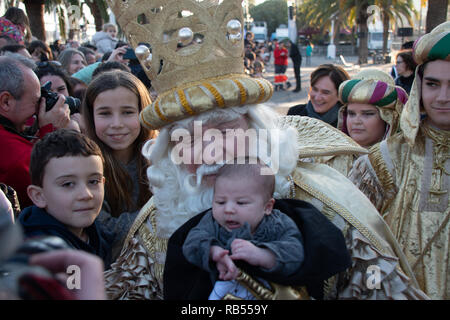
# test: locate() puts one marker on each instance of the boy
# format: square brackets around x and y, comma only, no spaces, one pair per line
[242,221]
[67,189]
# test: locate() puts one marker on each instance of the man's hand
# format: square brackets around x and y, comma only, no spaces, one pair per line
[58,116]
[226,267]
[117,55]
[247,251]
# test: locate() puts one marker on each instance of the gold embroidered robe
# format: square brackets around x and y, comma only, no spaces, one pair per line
[410,188]
[138,272]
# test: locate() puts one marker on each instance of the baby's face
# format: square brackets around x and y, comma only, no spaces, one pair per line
[112,32]
[237,201]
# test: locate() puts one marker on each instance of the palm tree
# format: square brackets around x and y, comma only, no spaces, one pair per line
[36,8]
[436,13]
[318,12]
[321,12]
[361,21]
[35,13]
[349,12]
[392,10]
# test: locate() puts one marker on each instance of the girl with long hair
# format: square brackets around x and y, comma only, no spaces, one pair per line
[111,108]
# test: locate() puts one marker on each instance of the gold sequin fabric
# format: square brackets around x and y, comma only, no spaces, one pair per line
[418,211]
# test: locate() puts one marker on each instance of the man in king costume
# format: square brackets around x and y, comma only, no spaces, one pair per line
[196,66]
[407,175]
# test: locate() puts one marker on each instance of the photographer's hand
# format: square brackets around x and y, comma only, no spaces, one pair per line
[117,55]
[92,285]
[58,116]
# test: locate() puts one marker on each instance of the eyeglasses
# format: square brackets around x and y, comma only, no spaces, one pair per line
[50,63]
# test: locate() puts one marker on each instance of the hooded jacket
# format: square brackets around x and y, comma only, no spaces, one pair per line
[37,222]
[104,42]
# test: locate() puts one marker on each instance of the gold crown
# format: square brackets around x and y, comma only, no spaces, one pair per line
[195,60]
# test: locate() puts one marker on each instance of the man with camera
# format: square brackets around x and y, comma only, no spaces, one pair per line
[20,100]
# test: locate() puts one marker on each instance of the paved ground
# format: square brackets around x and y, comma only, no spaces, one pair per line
[283,100]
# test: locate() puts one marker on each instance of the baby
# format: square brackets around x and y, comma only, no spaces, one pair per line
[243,225]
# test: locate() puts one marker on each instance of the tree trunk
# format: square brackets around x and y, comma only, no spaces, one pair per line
[361,21]
[35,13]
[436,13]
[95,11]
[385,18]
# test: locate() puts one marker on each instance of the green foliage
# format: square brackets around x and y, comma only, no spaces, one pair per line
[273,12]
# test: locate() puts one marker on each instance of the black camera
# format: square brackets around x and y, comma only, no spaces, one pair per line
[51,98]
[20,280]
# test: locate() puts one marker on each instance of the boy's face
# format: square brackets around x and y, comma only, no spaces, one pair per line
[237,201]
[73,190]
[436,93]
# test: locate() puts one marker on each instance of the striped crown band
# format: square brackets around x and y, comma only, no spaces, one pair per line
[434,45]
[374,92]
[195,98]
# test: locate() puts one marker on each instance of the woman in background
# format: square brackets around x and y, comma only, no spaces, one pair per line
[406,66]
[323,101]
[72,60]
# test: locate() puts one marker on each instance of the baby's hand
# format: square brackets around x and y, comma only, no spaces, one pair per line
[226,267]
[247,251]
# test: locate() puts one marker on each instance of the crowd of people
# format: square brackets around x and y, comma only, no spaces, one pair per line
[356,177]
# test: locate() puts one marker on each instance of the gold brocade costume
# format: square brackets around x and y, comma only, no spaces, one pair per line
[407,177]
[410,187]
[138,272]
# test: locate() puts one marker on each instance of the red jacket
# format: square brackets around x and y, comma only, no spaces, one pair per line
[15,156]
[281,56]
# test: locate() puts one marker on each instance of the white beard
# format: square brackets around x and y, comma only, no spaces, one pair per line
[180,196]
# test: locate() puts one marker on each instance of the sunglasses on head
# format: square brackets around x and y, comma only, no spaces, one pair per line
[46,64]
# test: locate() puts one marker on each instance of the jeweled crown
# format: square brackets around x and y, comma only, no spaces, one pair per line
[192,46]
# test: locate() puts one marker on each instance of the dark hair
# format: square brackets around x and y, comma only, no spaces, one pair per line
[408,45]
[57,144]
[109,66]
[106,56]
[250,171]
[336,73]
[38,44]
[89,46]
[118,192]
[408,59]
[12,48]
[51,70]
[86,50]
[18,17]
[77,93]
[121,44]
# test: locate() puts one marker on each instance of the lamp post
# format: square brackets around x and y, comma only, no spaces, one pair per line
[292,25]
[331,50]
